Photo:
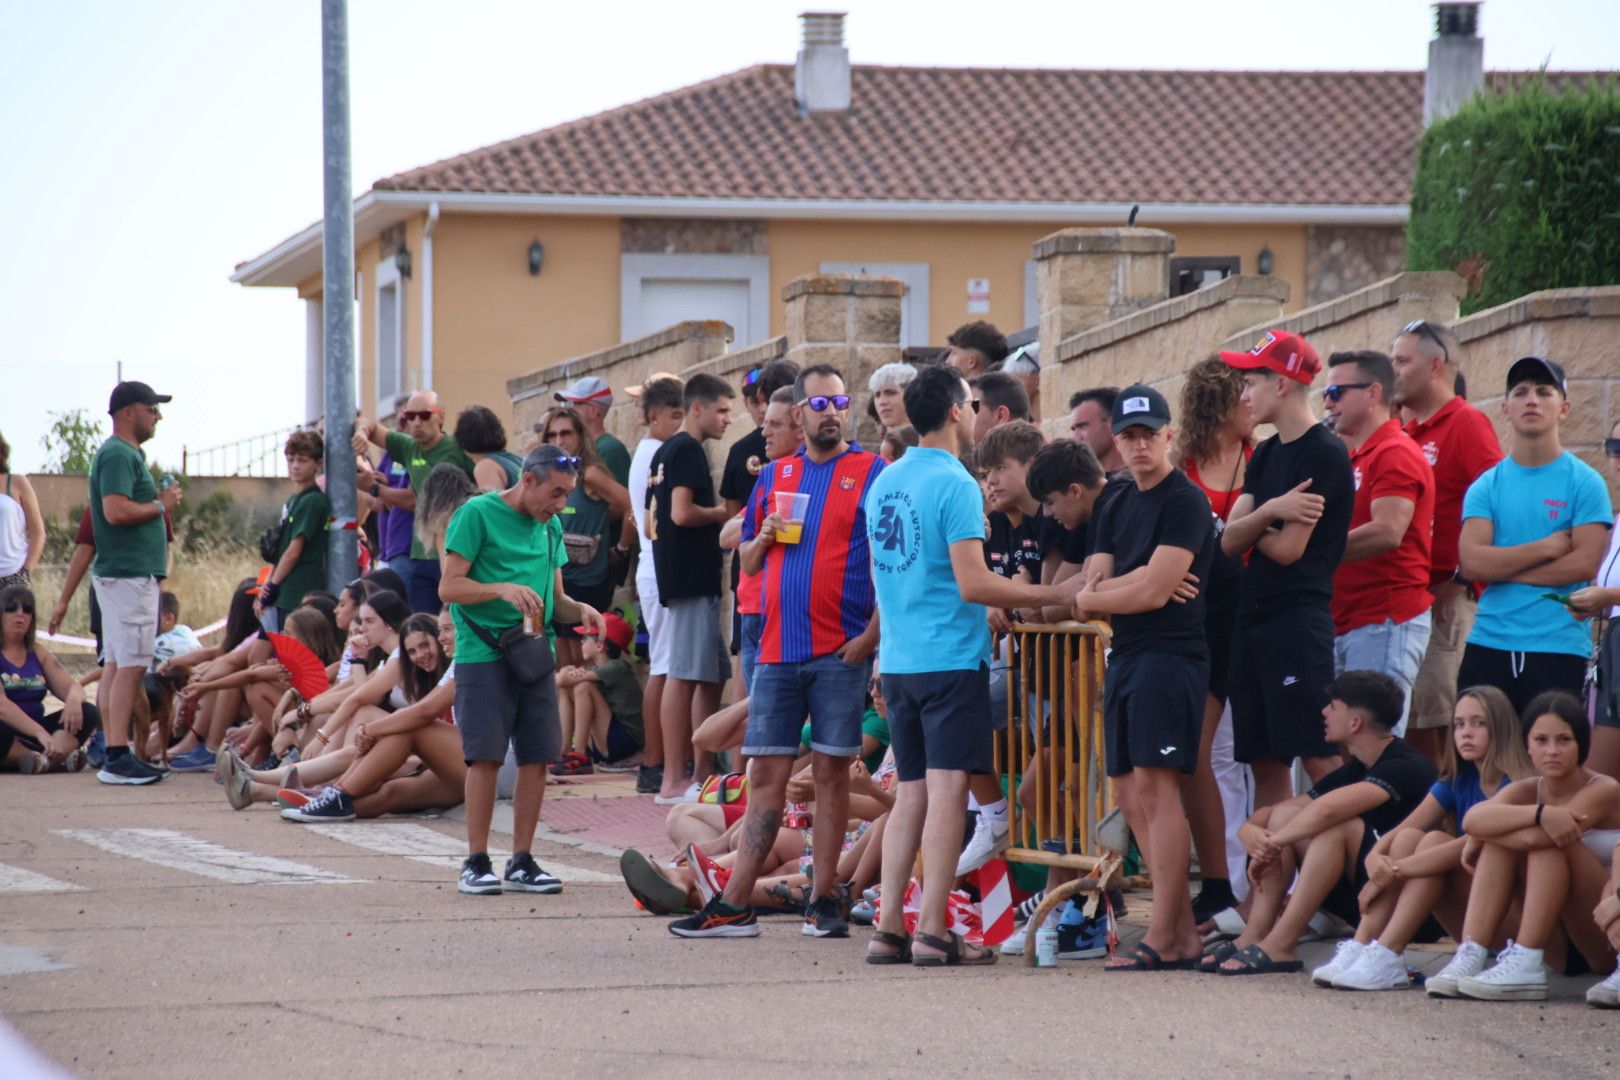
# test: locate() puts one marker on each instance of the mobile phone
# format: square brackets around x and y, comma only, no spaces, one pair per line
[1558,597]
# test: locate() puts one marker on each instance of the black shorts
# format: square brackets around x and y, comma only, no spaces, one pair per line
[1344,899]
[939,720]
[1218,633]
[89,721]
[1277,682]
[1521,675]
[598,596]
[492,710]
[1608,689]
[1153,710]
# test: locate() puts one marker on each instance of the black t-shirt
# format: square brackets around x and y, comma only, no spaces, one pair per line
[1276,468]
[1010,548]
[743,464]
[685,558]
[1172,513]
[1402,772]
[1077,543]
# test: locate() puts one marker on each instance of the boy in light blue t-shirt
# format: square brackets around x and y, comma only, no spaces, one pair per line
[1534,529]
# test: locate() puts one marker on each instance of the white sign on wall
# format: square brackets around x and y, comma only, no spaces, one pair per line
[978,296]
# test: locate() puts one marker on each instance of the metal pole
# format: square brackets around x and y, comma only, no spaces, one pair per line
[337,294]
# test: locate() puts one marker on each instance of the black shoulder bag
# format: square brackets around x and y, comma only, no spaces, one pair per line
[528,657]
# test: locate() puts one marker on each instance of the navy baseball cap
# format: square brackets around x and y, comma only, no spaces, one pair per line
[1140,406]
[126,394]
[1537,369]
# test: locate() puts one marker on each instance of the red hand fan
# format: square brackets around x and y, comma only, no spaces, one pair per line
[304,668]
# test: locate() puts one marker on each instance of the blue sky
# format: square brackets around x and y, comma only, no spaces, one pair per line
[150,147]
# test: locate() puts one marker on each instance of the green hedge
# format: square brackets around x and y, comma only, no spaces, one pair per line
[1521,192]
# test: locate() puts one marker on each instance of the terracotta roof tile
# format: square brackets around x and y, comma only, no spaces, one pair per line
[1221,137]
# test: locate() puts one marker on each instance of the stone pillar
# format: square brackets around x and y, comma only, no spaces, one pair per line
[850,321]
[1085,277]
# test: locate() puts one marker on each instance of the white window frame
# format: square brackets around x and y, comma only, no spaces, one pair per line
[914,310]
[637,268]
[1032,301]
[388,277]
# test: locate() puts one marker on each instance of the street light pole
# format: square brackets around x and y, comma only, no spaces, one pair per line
[337,296]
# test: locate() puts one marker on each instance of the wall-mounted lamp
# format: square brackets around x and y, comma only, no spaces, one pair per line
[537,258]
[1263,262]
[402,262]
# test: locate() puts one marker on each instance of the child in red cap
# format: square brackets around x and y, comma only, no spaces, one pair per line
[600,705]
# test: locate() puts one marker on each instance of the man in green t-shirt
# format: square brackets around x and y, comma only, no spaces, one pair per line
[128,513]
[422,446]
[591,397]
[503,564]
[301,551]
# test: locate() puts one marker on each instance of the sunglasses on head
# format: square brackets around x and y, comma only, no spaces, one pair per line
[751,378]
[820,402]
[1421,328]
[1336,391]
[14,606]
[567,464]
[418,414]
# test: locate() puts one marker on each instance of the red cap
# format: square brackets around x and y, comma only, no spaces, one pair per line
[618,631]
[1286,354]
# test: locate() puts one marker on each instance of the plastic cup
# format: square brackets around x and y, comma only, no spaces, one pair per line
[792,506]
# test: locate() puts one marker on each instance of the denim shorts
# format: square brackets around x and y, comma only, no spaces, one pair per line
[1390,648]
[831,692]
[748,655]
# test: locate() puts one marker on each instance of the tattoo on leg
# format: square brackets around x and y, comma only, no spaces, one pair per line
[759,835]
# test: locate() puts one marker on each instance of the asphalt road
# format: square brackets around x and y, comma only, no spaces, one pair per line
[155,933]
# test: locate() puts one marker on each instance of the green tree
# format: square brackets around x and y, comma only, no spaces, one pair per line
[71,443]
[1521,192]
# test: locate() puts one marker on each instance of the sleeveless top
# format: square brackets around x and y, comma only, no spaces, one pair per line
[13,533]
[25,686]
[585,516]
[510,462]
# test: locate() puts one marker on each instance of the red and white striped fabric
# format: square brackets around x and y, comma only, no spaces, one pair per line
[961,914]
[996,902]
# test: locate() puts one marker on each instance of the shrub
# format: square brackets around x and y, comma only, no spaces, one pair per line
[1521,192]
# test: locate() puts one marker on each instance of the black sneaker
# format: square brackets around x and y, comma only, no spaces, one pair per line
[478,877]
[649,780]
[825,918]
[1214,897]
[128,769]
[717,919]
[330,805]
[523,874]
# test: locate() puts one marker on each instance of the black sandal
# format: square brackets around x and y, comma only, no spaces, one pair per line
[953,952]
[1215,956]
[899,942]
[794,899]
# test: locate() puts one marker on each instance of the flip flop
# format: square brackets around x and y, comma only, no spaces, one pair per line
[656,892]
[1143,957]
[1215,956]
[900,943]
[1256,961]
[953,952]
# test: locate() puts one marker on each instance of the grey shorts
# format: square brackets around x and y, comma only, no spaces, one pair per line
[492,711]
[697,651]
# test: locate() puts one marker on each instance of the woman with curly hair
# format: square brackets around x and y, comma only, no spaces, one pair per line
[1213,444]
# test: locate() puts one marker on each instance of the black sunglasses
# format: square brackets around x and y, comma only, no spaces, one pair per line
[820,402]
[1422,328]
[976,403]
[14,606]
[1612,447]
[1336,391]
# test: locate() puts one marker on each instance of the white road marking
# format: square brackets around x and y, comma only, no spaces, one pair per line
[21,960]
[14,879]
[180,851]
[419,843]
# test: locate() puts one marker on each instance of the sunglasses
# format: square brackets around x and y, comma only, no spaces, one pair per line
[1423,329]
[553,436]
[751,378]
[1336,391]
[14,606]
[568,464]
[419,414]
[976,403]
[820,402]
[1612,447]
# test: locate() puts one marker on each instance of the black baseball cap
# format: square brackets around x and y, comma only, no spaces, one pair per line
[1537,369]
[1140,406]
[135,393]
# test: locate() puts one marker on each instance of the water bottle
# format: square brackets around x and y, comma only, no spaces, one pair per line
[168,481]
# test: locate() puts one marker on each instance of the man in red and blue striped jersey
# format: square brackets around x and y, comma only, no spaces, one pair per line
[815,650]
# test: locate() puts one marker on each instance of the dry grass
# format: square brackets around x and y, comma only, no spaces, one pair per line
[203,583]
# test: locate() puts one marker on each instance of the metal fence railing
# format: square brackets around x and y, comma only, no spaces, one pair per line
[256,455]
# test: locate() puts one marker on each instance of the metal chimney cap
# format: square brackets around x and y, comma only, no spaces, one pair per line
[822,27]
[1457,18]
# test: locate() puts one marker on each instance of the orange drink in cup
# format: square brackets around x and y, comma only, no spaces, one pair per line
[791,506]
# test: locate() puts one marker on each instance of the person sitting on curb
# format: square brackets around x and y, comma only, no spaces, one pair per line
[601,713]
[1328,832]
[32,740]
[1417,869]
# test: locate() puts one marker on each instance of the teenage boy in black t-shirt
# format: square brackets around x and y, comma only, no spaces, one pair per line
[1154,543]
[1291,520]
[685,522]
[1327,833]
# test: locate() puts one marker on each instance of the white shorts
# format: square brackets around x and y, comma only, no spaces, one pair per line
[654,616]
[129,619]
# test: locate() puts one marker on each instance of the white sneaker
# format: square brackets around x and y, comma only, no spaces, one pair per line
[1469,961]
[1377,968]
[1606,994]
[1014,946]
[1345,955]
[1519,975]
[990,838]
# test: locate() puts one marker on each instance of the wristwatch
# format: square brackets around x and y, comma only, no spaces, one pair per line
[375,489]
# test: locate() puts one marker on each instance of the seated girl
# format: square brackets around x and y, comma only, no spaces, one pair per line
[33,741]
[1548,840]
[1417,869]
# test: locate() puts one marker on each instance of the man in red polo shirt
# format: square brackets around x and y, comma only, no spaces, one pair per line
[815,648]
[1459,443]
[1381,593]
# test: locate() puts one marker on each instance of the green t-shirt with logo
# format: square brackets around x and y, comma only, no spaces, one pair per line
[306,514]
[615,457]
[125,551]
[419,462]
[502,545]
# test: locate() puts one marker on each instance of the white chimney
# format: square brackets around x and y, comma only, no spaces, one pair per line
[821,74]
[1456,60]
